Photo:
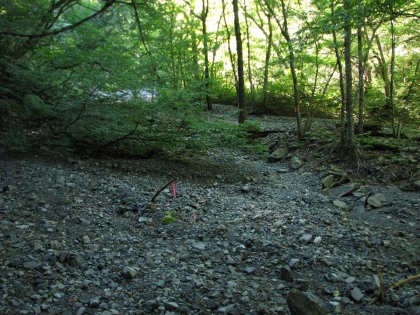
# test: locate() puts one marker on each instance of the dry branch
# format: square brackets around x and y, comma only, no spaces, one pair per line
[160,190]
[404,281]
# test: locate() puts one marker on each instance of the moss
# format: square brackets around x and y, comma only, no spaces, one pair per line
[170,217]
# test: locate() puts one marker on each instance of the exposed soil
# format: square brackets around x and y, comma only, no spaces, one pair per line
[80,236]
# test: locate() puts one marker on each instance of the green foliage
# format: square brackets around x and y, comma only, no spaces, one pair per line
[15,141]
[64,88]
[170,217]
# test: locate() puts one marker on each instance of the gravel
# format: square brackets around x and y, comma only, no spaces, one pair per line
[81,237]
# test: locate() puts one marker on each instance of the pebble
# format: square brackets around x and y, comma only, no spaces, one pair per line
[236,261]
[199,246]
[317,240]
[306,237]
[356,294]
[86,239]
[130,272]
[340,205]
[249,270]
[31,264]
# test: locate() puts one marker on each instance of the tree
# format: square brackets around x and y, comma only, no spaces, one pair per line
[348,147]
[240,60]
[203,19]
[284,28]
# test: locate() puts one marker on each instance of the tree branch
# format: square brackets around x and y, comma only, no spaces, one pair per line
[107,5]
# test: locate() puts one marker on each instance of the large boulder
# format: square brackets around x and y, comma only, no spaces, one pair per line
[278,154]
[295,163]
[300,304]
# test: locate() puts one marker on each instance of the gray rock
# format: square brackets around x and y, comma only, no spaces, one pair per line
[317,240]
[377,200]
[86,239]
[278,155]
[356,294]
[226,309]
[300,304]
[249,270]
[31,264]
[145,220]
[199,246]
[340,205]
[74,260]
[172,306]
[246,189]
[130,272]
[294,263]
[306,237]
[94,302]
[286,274]
[328,181]
[296,163]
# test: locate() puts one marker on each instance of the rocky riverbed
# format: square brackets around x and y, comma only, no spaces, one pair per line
[230,234]
[239,234]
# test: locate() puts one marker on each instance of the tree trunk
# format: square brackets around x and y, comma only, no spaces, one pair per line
[361,83]
[232,60]
[341,77]
[391,79]
[348,148]
[267,63]
[383,65]
[204,14]
[286,35]
[248,46]
[241,83]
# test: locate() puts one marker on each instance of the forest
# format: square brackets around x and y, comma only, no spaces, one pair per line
[133,78]
[209,157]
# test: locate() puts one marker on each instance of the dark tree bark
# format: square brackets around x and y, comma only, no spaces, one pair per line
[232,59]
[348,147]
[284,29]
[204,14]
[360,87]
[241,82]
[248,47]
[341,76]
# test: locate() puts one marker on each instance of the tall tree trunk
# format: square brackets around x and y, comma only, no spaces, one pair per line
[363,66]
[204,15]
[285,33]
[391,79]
[348,148]
[383,66]
[241,83]
[341,77]
[232,59]
[267,63]
[361,81]
[249,54]
[194,48]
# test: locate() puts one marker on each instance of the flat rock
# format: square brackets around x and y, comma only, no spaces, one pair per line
[31,264]
[296,163]
[199,245]
[377,200]
[340,205]
[130,272]
[356,294]
[327,181]
[300,304]
[278,155]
